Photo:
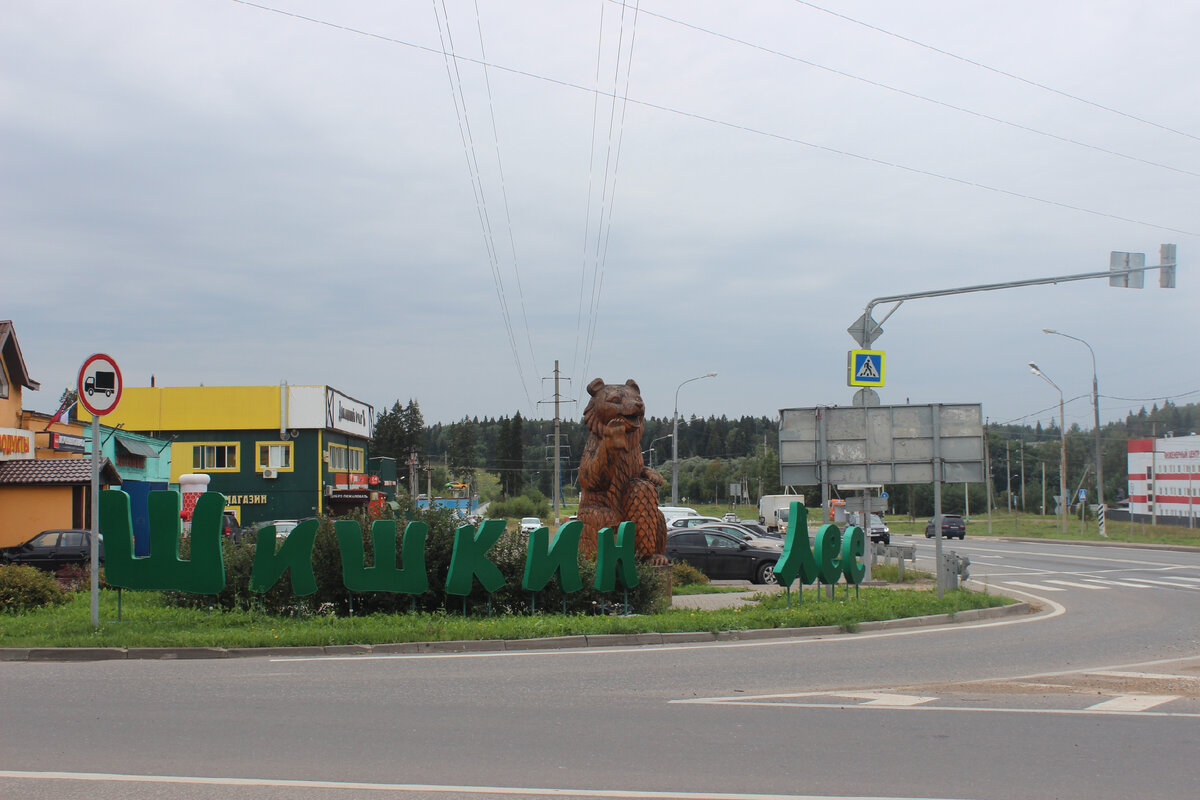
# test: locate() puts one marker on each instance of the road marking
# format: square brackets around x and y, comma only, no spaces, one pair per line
[104,777]
[1078,585]
[1133,702]
[1108,582]
[1163,583]
[1154,676]
[1034,586]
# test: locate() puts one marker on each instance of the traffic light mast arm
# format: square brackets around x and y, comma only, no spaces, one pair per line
[898,299]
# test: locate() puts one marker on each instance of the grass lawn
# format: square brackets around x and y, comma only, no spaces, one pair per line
[148,622]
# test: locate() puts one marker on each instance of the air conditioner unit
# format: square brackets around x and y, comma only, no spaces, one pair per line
[270,473]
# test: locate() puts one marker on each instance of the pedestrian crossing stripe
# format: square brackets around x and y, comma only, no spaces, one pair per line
[865,368]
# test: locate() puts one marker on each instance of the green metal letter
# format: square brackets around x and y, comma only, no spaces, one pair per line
[383,576]
[829,547]
[854,542]
[543,559]
[616,552]
[797,560]
[163,569]
[295,554]
[469,558]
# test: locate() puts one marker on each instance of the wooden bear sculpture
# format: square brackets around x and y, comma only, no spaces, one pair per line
[616,485]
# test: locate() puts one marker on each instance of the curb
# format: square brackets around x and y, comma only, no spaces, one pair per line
[75,654]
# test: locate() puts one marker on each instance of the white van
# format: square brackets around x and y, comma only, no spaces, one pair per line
[675,512]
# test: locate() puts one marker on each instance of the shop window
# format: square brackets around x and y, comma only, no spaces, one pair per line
[274,455]
[209,457]
[338,460]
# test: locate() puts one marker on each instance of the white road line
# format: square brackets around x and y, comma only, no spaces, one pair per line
[104,777]
[1163,583]
[1159,676]
[754,703]
[1033,586]
[1078,585]
[1133,702]
[1108,582]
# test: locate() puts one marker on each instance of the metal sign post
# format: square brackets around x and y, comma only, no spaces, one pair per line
[99,390]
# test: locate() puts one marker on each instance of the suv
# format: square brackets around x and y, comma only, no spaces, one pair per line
[530,524]
[952,525]
[879,531]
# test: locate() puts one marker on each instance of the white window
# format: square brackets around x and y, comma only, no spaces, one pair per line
[215,456]
[274,456]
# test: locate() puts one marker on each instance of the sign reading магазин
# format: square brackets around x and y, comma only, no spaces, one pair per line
[837,554]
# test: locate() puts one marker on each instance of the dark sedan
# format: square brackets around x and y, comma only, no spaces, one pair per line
[52,550]
[952,526]
[723,557]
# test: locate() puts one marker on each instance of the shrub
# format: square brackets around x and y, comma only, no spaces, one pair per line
[517,507]
[683,573]
[23,588]
[332,596]
[77,578]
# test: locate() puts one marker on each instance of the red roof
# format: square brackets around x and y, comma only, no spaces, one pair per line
[55,472]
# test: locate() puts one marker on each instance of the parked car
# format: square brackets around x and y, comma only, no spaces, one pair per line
[282,527]
[721,556]
[52,550]
[690,521]
[230,527]
[730,517]
[952,525]
[530,524]
[674,512]
[738,532]
[878,529]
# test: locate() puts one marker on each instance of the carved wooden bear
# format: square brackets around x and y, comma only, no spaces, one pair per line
[616,486]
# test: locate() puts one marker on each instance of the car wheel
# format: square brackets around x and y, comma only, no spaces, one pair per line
[886,540]
[765,573]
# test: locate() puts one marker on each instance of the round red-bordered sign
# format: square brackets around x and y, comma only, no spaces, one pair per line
[99,384]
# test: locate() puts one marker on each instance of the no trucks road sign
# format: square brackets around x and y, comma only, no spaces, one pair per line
[99,385]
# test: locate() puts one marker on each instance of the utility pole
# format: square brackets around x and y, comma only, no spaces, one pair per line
[557,488]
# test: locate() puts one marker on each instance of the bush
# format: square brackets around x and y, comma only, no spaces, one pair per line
[530,504]
[332,596]
[23,588]
[683,574]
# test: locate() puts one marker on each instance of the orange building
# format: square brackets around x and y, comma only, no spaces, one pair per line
[44,482]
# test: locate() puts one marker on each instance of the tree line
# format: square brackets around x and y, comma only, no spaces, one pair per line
[722,459]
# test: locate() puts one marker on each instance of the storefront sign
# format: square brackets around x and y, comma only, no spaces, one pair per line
[246,499]
[350,480]
[15,444]
[67,443]
[347,415]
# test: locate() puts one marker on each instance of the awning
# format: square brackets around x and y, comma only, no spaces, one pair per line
[136,448]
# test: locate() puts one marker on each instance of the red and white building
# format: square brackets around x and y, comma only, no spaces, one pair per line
[1164,477]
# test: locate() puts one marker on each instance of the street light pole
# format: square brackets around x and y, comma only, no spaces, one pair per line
[675,439]
[1095,409]
[656,441]
[1062,464]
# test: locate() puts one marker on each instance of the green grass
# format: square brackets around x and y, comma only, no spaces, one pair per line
[147,622]
[705,588]
[1035,526]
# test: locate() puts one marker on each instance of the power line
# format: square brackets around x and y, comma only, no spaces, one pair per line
[998,71]
[916,96]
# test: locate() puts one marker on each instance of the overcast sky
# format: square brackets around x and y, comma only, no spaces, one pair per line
[217,192]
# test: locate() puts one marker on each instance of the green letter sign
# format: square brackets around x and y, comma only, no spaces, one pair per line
[163,569]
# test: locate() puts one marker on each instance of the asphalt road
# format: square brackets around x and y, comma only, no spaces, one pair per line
[1097,696]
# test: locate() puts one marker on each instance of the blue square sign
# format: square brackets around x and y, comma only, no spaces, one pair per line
[865,368]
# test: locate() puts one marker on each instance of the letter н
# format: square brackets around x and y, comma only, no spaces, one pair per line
[611,554]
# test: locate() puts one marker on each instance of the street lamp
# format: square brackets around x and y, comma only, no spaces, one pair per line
[659,439]
[1096,410]
[675,439]
[1062,465]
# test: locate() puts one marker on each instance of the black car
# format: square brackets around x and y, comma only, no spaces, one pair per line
[53,550]
[723,557]
[952,526]
[230,527]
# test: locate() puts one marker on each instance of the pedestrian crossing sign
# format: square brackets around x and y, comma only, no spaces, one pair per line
[865,368]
